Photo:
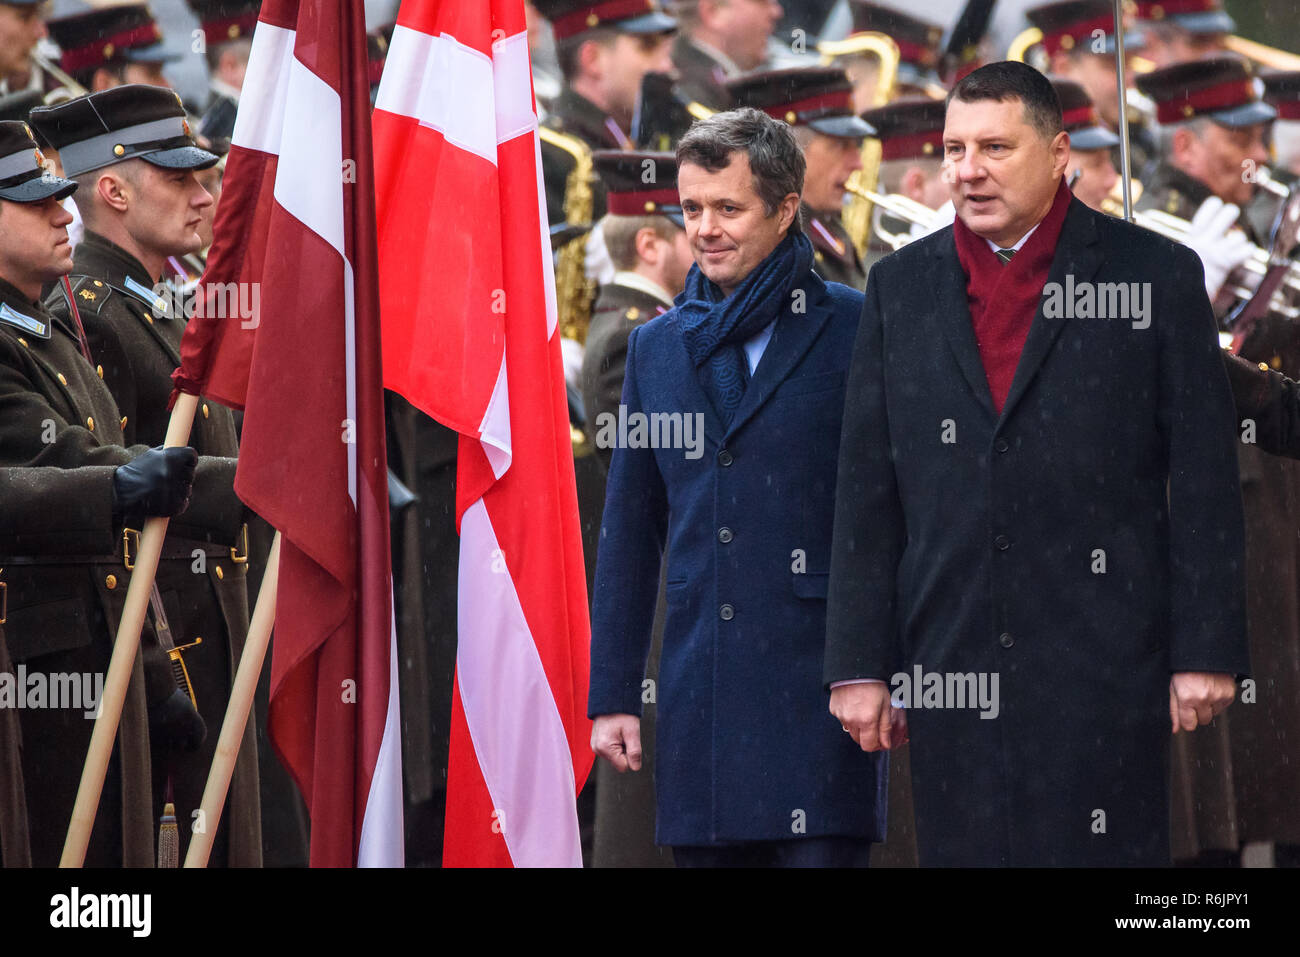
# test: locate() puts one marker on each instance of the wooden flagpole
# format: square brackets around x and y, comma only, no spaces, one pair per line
[241,703]
[123,660]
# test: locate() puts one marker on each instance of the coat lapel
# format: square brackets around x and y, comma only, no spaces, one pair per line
[791,339]
[1078,254]
[691,395]
[953,315]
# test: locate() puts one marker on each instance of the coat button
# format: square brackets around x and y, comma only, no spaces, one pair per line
[725,458]
[205,410]
[63,380]
[1005,640]
[1002,543]
[220,574]
[724,535]
[99,371]
[90,424]
[1001,444]
[110,582]
[726,613]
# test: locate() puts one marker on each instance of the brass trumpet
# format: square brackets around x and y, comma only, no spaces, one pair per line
[900,207]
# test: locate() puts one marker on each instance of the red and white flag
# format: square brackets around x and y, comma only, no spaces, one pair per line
[470,337]
[296,233]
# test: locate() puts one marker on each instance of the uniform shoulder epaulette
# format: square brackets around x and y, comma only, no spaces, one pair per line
[89,295]
[564,141]
[24,321]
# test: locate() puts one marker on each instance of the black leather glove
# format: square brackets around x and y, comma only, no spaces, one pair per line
[174,726]
[156,482]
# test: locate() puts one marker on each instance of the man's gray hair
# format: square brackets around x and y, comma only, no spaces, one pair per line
[1165,133]
[774,155]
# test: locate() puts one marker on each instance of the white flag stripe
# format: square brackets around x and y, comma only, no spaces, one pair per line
[548,254]
[258,122]
[445,85]
[519,738]
[513,76]
[309,180]
[382,842]
[494,430]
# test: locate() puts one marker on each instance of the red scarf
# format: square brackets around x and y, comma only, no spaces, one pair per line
[1003,298]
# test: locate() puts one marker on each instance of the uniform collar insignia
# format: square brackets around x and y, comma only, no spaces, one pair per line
[146,295]
[11,316]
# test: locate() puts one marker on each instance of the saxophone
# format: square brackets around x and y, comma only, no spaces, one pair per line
[857,212]
[574,292]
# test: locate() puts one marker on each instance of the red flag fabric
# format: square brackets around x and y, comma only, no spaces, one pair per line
[470,337]
[295,238]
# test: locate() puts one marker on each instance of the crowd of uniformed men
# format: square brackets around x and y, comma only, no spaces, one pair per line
[93,141]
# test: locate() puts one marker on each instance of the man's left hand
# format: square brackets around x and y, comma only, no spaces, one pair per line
[1195,697]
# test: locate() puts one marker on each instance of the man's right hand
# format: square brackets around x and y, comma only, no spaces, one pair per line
[865,712]
[617,739]
[156,482]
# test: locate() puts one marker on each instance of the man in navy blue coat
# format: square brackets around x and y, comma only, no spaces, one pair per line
[1038,495]
[725,455]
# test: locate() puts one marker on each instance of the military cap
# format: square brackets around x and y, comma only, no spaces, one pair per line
[816,96]
[23,178]
[918,40]
[226,20]
[133,121]
[1221,88]
[1080,116]
[569,18]
[1282,92]
[911,128]
[1194,16]
[98,37]
[639,183]
[1069,25]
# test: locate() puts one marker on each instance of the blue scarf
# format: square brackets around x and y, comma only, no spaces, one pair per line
[715,329]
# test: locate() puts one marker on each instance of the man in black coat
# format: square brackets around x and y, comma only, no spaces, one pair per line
[1038,531]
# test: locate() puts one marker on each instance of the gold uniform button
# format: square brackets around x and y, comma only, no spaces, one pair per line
[98,283]
[791,116]
[149,319]
[99,371]
[1263,366]
[205,410]
[119,150]
[634,313]
[1067,42]
[110,582]
[90,424]
[23,342]
[62,379]
[220,574]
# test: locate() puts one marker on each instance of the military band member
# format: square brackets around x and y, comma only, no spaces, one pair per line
[1282,92]
[719,40]
[911,165]
[131,150]
[227,40]
[109,46]
[1176,31]
[1227,783]
[22,24]
[66,571]
[817,102]
[1090,145]
[919,45]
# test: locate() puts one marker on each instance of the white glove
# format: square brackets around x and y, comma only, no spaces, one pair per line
[943,216]
[1221,248]
[571,353]
[599,266]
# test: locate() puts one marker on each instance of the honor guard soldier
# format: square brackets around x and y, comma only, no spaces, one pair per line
[1090,145]
[1228,783]
[817,102]
[131,150]
[1282,92]
[910,132]
[227,40]
[1176,31]
[919,50]
[67,567]
[719,40]
[109,46]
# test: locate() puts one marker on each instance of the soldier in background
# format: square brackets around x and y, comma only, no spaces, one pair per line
[22,24]
[227,40]
[1090,145]
[1225,782]
[109,46]
[817,102]
[1175,31]
[646,235]
[720,39]
[918,44]
[131,150]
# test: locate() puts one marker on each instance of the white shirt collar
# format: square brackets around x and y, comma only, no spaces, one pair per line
[1023,239]
[639,282]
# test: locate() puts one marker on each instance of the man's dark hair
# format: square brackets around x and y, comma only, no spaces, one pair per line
[774,155]
[1010,80]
